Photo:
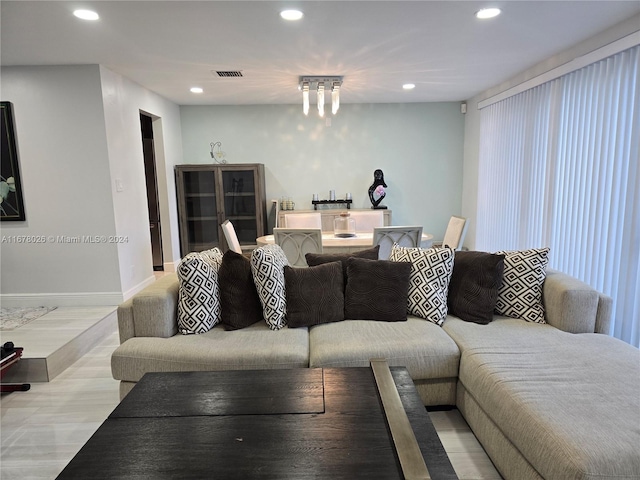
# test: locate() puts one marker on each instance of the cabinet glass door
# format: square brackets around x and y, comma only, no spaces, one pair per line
[240,203]
[200,205]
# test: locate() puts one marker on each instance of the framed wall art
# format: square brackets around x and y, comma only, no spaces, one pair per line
[11,205]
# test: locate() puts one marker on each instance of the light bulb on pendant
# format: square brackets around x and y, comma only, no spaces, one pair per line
[305,98]
[321,99]
[335,98]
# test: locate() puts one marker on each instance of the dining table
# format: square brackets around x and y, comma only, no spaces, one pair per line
[333,244]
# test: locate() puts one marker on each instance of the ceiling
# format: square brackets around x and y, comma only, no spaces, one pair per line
[377,46]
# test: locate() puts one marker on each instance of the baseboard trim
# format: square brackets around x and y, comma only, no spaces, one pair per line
[61,299]
[132,291]
[169,266]
[97,299]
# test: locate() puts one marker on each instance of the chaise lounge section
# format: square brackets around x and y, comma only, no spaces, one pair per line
[549,404]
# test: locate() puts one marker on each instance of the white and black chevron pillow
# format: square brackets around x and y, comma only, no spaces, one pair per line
[199,293]
[520,295]
[267,268]
[428,281]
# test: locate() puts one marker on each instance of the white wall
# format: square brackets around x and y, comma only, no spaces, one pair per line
[123,101]
[78,129]
[65,177]
[418,146]
[470,169]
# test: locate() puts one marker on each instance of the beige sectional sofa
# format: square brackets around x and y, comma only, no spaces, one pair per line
[557,400]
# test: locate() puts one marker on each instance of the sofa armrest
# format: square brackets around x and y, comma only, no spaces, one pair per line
[151,312]
[603,317]
[126,328]
[573,306]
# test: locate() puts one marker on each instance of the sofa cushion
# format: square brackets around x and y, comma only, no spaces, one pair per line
[267,268]
[520,295]
[239,299]
[314,295]
[421,346]
[376,290]
[252,348]
[199,295]
[569,403]
[314,259]
[429,281]
[473,289]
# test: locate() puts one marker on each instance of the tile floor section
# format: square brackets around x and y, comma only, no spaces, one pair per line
[42,429]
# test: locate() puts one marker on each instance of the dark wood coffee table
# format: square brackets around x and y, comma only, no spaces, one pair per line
[267,424]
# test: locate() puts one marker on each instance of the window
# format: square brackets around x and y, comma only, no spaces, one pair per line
[559,167]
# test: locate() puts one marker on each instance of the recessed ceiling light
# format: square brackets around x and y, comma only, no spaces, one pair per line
[409,86]
[196,90]
[86,14]
[488,13]
[291,14]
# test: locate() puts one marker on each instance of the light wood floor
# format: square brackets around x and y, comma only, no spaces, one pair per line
[42,429]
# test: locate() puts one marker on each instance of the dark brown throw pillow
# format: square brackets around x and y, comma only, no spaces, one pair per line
[473,289]
[239,299]
[376,290]
[314,259]
[314,295]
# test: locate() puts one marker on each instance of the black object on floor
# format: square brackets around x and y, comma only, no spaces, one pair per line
[10,356]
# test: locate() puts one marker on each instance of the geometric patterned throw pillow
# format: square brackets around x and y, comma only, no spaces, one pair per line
[429,280]
[214,256]
[267,268]
[520,295]
[199,294]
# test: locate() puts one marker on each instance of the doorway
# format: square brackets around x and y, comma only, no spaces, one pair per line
[148,148]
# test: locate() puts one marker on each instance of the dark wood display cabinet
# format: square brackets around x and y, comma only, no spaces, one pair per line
[210,194]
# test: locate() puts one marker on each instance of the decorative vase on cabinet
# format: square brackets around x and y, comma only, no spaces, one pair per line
[344,226]
[210,194]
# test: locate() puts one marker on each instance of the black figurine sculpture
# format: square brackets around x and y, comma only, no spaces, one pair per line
[377,190]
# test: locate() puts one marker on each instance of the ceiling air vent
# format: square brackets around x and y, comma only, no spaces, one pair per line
[236,73]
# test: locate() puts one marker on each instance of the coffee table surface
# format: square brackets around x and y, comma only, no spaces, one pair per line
[267,424]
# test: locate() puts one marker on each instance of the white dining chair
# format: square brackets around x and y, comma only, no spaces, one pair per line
[297,242]
[405,236]
[303,220]
[455,233]
[231,237]
[367,221]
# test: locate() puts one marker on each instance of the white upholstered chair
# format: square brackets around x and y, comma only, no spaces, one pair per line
[297,242]
[231,237]
[454,235]
[409,236]
[303,220]
[367,221]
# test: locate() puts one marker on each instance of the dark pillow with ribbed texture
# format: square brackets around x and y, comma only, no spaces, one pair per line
[320,258]
[239,299]
[314,295]
[376,290]
[474,285]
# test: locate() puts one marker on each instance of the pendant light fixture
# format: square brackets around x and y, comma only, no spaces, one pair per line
[335,97]
[321,99]
[320,83]
[305,98]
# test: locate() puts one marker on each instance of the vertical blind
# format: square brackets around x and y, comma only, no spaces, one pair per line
[559,167]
